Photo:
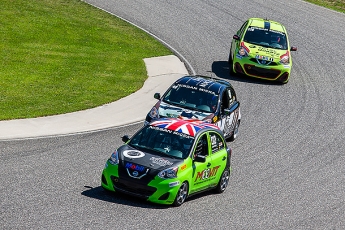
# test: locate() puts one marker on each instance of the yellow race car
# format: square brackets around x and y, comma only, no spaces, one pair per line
[261,49]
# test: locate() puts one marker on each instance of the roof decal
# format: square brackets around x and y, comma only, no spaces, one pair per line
[186,126]
[201,84]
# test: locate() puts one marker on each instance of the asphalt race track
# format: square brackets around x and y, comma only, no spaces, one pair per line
[288,162]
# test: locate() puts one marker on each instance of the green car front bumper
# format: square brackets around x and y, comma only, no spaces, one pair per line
[157,190]
[273,71]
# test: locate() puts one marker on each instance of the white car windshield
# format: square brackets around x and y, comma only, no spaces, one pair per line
[193,98]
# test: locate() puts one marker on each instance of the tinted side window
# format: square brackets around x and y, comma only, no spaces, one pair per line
[202,146]
[226,102]
[231,95]
[216,142]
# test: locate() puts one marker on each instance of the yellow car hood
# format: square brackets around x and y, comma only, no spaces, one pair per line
[264,53]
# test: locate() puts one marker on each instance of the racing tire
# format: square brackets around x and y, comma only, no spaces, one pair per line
[223,181]
[235,132]
[181,195]
[231,66]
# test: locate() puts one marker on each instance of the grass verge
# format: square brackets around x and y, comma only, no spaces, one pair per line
[338,5]
[59,56]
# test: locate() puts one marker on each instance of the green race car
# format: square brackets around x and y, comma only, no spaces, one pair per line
[168,160]
[261,49]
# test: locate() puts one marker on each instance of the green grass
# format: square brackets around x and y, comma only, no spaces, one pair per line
[338,5]
[59,56]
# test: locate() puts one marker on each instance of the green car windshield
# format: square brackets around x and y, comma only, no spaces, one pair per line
[265,37]
[163,142]
[193,98]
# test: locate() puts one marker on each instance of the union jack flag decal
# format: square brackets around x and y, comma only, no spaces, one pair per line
[186,126]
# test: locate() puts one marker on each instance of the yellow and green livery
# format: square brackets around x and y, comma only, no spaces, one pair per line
[261,49]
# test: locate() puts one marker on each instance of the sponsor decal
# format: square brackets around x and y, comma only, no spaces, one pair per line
[133,154]
[171,115]
[252,28]
[206,174]
[267,50]
[239,56]
[173,184]
[201,88]
[160,161]
[135,167]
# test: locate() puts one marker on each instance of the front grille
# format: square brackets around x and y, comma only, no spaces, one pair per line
[268,63]
[144,176]
[261,72]
[132,188]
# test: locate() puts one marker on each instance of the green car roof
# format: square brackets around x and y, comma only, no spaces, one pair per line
[260,22]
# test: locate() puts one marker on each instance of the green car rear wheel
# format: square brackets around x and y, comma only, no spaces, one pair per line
[224,181]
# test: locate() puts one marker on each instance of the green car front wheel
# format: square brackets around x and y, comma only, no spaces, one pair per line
[181,194]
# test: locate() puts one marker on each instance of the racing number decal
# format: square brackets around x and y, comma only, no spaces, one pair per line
[213,140]
[206,174]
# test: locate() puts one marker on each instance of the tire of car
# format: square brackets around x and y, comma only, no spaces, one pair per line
[235,132]
[181,195]
[231,68]
[223,181]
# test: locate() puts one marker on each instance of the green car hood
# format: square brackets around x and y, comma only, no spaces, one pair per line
[140,161]
[264,53]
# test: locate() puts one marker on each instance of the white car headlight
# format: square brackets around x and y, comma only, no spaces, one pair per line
[154,113]
[114,158]
[285,59]
[243,52]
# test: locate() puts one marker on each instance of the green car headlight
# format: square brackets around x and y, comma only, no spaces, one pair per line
[114,158]
[285,59]
[168,173]
[243,51]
